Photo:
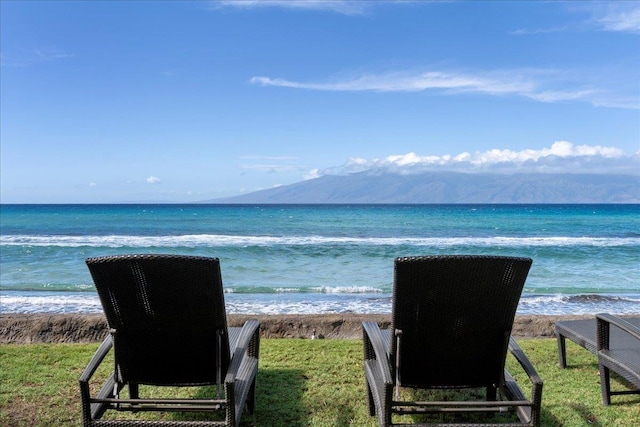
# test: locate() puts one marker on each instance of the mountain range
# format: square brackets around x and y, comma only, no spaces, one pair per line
[450,187]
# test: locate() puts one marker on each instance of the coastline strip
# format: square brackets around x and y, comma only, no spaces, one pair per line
[84,328]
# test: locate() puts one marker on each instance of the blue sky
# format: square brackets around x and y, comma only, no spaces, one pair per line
[188,101]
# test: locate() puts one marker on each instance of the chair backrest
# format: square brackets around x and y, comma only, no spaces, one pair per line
[453,316]
[167,317]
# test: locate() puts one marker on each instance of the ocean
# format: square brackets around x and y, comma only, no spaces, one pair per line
[285,259]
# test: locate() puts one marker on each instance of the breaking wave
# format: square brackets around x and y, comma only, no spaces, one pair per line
[301,302]
[213,240]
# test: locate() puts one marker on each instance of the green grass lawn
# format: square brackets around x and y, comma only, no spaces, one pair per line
[300,383]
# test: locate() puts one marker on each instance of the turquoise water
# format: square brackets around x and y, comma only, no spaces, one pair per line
[323,258]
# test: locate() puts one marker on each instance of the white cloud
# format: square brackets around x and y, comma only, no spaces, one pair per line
[270,167]
[268,158]
[52,54]
[547,86]
[24,58]
[621,16]
[406,82]
[345,7]
[271,164]
[561,157]
[153,180]
[312,174]
[618,17]
[523,32]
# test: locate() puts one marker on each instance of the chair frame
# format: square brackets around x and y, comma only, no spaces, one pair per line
[383,394]
[583,332]
[623,360]
[238,384]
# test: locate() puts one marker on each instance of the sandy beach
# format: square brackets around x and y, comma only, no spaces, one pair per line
[45,328]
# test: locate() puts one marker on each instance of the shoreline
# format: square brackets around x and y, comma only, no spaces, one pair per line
[87,328]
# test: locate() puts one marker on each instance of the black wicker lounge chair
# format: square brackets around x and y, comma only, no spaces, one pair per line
[168,328]
[451,328]
[623,358]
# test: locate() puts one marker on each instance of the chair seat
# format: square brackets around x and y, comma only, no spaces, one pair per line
[629,358]
[583,333]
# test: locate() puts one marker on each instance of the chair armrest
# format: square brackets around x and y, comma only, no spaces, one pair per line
[604,321]
[240,378]
[377,349]
[248,345]
[97,358]
[91,411]
[531,414]
[522,358]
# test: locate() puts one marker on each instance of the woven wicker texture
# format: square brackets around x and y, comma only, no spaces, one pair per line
[152,300]
[621,357]
[168,328]
[456,315]
[451,328]
[583,333]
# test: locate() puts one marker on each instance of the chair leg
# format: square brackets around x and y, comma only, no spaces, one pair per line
[605,385]
[562,351]
[134,391]
[372,406]
[492,393]
[251,397]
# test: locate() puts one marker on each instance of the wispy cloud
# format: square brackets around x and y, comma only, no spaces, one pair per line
[525,32]
[539,85]
[621,16]
[271,164]
[52,54]
[268,158]
[17,58]
[344,7]
[153,180]
[561,157]
[617,16]
[405,82]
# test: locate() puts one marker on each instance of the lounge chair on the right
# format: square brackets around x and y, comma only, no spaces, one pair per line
[452,318]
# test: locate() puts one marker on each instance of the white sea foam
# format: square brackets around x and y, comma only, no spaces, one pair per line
[347,290]
[213,240]
[561,304]
[303,303]
[307,290]
[286,290]
[44,302]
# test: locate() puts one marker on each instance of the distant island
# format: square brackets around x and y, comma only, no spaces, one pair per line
[450,187]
